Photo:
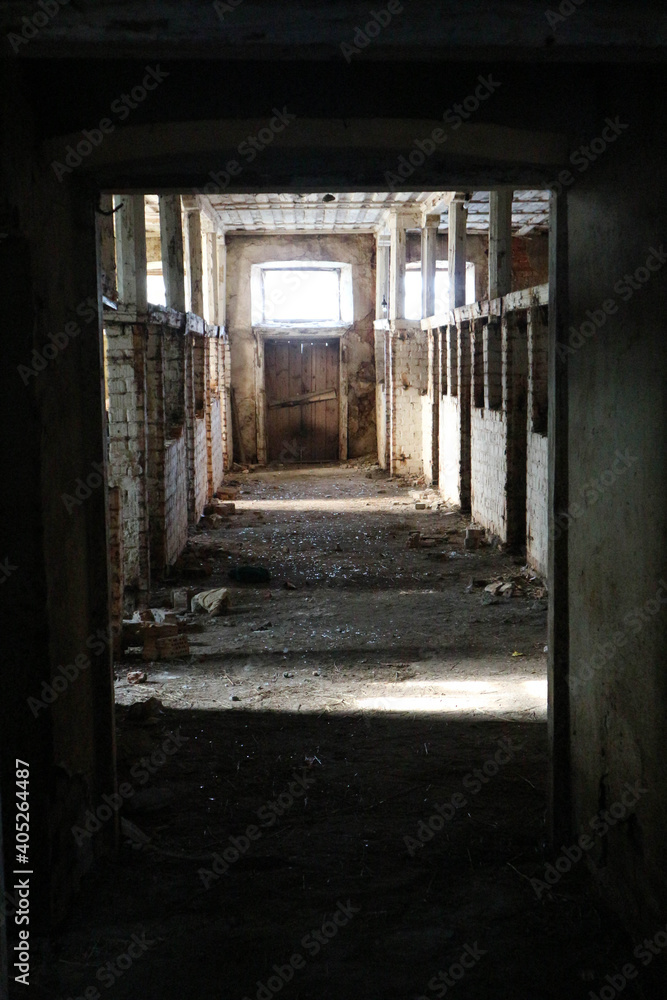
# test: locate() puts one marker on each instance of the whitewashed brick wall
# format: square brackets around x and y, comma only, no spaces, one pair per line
[409,377]
[167,442]
[126,390]
[450,449]
[537,520]
[488,462]
[176,499]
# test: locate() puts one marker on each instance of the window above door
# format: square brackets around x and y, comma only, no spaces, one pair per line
[302,294]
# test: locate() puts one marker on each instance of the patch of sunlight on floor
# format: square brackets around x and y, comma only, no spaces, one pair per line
[493,696]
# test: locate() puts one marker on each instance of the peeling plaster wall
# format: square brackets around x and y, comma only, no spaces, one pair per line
[359,251]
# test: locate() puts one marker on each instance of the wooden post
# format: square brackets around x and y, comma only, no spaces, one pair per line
[196,269]
[382,277]
[222,279]
[105,224]
[131,251]
[212,287]
[397,268]
[171,238]
[429,255]
[500,243]
[458,215]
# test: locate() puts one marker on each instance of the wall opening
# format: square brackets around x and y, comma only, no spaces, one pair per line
[289,293]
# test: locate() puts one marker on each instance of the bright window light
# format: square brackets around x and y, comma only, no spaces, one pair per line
[413,289]
[155,290]
[301,295]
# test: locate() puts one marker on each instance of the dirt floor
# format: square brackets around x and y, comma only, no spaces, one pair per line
[341,792]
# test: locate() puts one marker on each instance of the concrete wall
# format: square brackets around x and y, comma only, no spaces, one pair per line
[616,537]
[358,340]
[55,590]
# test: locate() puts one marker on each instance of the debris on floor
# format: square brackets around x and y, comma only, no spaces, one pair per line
[216,601]
[137,677]
[403,687]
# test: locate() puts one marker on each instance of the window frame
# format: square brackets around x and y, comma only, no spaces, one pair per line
[344,297]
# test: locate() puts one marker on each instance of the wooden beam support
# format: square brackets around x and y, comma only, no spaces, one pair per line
[211,246]
[458,215]
[429,255]
[222,280]
[500,243]
[131,251]
[105,225]
[397,258]
[382,277]
[311,397]
[196,262]
[171,240]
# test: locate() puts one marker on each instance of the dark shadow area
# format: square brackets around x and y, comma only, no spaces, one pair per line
[308,817]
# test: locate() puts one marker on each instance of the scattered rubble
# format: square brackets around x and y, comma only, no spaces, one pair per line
[137,677]
[181,598]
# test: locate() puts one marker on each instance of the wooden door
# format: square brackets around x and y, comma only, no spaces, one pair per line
[302,405]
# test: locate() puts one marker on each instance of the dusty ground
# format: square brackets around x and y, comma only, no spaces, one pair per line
[382,682]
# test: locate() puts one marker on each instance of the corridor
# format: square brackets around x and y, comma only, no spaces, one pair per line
[347,775]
